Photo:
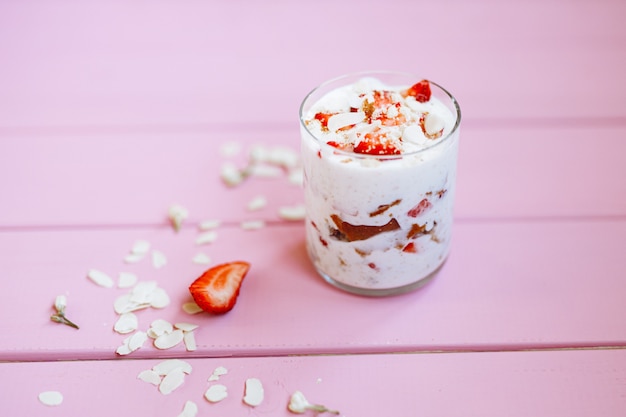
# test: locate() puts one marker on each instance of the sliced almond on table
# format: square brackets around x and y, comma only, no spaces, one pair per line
[142,292]
[186,327]
[150,377]
[169,340]
[126,323]
[206,237]
[217,373]
[51,398]
[100,278]
[126,280]
[159,327]
[292,213]
[257,203]
[158,259]
[252,224]
[133,258]
[254,392]
[137,340]
[165,367]
[191,308]
[216,393]
[189,410]
[201,259]
[159,298]
[140,247]
[189,339]
[209,224]
[171,381]
[231,175]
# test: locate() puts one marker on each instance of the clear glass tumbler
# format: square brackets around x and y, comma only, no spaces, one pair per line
[379,215]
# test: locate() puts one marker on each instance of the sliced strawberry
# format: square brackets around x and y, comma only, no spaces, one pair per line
[420,208]
[341,146]
[421,91]
[375,144]
[216,290]
[323,118]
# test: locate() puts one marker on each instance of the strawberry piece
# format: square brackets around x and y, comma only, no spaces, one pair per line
[421,91]
[341,146]
[374,144]
[216,290]
[323,118]
[410,248]
[420,208]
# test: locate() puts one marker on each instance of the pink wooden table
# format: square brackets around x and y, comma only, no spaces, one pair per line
[112,112]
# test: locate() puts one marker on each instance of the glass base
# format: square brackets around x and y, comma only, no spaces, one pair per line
[381,292]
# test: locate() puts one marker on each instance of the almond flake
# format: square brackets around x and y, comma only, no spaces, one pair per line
[189,410]
[127,323]
[124,349]
[433,124]
[231,175]
[252,224]
[123,304]
[169,340]
[140,247]
[216,393]
[206,237]
[126,280]
[340,120]
[217,373]
[159,298]
[165,367]
[186,327]
[171,381]
[414,134]
[137,340]
[192,308]
[142,292]
[51,398]
[100,278]
[292,212]
[209,224]
[158,259]
[132,343]
[298,404]
[201,259]
[254,392]
[150,377]
[133,258]
[159,327]
[189,339]
[257,203]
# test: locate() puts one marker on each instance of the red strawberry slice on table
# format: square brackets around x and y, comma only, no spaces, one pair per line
[216,290]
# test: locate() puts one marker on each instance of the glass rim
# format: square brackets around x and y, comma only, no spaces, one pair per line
[362,74]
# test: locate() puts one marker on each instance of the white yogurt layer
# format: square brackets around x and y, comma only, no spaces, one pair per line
[380,220]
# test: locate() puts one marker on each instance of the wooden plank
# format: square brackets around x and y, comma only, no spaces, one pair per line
[572,383]
[199,63]
[505,286]
[122,179]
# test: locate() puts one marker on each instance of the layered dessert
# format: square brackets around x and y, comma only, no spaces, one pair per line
[379,162]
